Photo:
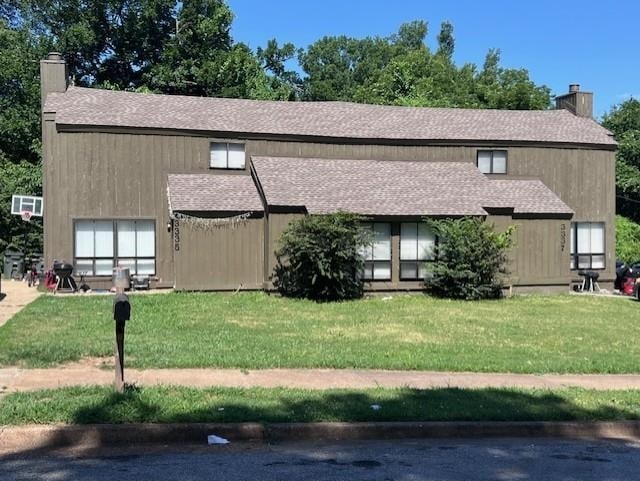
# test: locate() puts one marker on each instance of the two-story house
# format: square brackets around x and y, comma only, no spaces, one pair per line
[195,192]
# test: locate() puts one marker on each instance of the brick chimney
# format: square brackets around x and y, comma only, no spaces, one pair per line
[577,102]
[53,75]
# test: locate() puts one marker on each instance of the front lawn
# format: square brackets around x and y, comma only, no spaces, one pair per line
[95,405]
[528,334]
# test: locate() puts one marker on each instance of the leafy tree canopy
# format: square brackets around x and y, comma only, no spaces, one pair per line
[185,47]
[402,70]
[624,121]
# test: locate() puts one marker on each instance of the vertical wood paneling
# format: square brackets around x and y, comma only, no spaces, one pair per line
[124,175]
[222,259]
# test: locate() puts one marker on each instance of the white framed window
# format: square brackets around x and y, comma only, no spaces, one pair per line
[377,256]
[100,245]
[226,155]
[28,203]
[492,161]
[417,246]
[587,245]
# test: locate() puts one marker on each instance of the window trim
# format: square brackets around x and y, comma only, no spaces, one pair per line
[115,258]
[492,151]
[227,143]
[574,255]
[372,263]
[415,262]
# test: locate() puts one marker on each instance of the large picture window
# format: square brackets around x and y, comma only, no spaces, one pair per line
[100,245]
[377,257]
[226,155]
[587,245]
[417,243]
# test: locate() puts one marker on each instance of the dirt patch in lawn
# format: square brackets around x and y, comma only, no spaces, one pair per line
[89,362]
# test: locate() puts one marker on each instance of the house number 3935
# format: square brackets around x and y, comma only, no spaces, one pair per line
[176,235]
[563,236]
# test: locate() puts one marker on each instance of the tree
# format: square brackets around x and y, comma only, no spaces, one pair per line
[319,258]
[446,42]
[202,59]
[20,94]
[627,240]
[469,259]
[402,70]
[286,84]
[104,40]
[24,178]
[624,122]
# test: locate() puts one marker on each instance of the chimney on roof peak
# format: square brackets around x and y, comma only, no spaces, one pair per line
[53,75]
[577,102]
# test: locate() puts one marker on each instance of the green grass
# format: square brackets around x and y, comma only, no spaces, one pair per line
[95,405]
[527,334]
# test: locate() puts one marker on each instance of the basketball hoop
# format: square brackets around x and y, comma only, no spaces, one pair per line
[26,215]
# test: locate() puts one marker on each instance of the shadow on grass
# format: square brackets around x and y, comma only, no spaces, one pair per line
[218,405]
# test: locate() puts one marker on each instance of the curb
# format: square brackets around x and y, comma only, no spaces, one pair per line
[22,438]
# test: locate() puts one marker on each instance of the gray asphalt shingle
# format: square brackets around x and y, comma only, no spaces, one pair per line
[82,106]
[397,188]
[210,192]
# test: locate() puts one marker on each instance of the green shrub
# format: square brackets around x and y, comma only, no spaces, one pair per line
[319,257]
[627,240]
[470,256]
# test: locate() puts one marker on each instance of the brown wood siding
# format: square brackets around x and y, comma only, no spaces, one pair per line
[96,175]
[220,259]
[541,250]
[119,175]
[277,223]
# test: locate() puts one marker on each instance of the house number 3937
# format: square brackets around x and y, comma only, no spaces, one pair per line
[563,236]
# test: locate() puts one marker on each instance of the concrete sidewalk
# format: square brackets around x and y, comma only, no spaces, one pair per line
[16,379]
[14,296]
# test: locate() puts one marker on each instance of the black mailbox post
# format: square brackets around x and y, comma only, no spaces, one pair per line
[121,314]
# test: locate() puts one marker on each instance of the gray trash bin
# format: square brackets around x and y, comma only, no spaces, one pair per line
[13,264]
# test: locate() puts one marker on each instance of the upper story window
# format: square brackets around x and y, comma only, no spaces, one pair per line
[377,256]
[226,155]
[492,161]
[587,245]
[417,244]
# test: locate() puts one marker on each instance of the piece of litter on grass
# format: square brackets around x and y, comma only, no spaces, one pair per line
[376,407]
[387,298]
[213,439]
[220,409]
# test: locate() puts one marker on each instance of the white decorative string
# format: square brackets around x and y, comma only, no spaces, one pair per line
[206,223]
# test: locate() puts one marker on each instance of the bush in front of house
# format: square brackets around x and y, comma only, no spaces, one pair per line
[319,257]
[470,258]
[627,240]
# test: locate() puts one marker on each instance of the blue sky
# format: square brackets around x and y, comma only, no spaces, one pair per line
[595,44]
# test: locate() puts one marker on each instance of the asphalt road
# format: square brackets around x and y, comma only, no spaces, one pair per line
[406,460]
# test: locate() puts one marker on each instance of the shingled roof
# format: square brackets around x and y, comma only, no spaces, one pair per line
[210,192]
[397,188]
[106,108]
